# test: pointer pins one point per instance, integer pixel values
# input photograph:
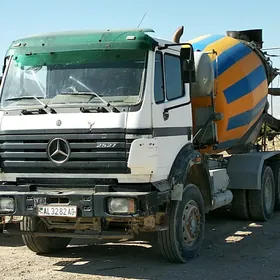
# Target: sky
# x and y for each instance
(28, 17)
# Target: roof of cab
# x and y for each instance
(83, 40)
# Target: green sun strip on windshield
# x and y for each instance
(80, 57)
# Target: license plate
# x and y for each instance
(69, 211)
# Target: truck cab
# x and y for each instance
(120, 91)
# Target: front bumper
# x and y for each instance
(89, 203)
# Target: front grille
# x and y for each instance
(99, 151)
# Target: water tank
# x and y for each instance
(204, 75)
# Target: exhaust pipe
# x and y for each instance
(178, 34)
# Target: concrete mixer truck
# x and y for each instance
(107, 134)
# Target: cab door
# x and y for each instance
(171, 108)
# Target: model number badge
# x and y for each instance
(105, 145)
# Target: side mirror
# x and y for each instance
(6, 60)
(187, 64)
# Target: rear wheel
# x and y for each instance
(41, 245)
(184, 237)
(276, 170)
(239, 207)
(261, 202)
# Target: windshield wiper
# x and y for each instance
(92, 93)
(17, 98)
(82, 109)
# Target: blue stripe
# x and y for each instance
(259, 107)
(229, 57)
(246, 117)
(203, 43)
(245, 85)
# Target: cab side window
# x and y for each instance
(158, 81)
(173, 77)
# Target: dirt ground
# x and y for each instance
(232, 250)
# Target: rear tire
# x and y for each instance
(276, 171)
(41, 245)
(240, 209)
(184, 237)
(261, 202)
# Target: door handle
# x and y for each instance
(166, 110)
(165, 115)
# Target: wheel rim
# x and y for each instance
(268, 194)
(191, 222)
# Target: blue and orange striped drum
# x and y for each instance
(240, 83)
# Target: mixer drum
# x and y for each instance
(240, 89)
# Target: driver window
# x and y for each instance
(173, 77)
(158, 80)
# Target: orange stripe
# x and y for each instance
(220, 46)
(233, 74)
(249, 101)
(235, 133)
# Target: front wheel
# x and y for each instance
(41, 245)
(184, 237)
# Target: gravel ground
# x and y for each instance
(232, 250)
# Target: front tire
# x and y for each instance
(41, 245)
(184, 237)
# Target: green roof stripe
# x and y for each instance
(83, 40)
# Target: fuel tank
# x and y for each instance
(241, 77)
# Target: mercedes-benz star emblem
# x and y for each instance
(58, 150)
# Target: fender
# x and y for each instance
(245, 170)
(186, 158)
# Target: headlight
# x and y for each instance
(121, 206)
(7, 205)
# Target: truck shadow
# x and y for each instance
(10, 241)
(228, 242)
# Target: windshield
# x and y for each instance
(79, 77)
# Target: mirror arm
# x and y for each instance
(166, 46)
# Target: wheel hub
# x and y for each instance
(268, 194)
(191, 223)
